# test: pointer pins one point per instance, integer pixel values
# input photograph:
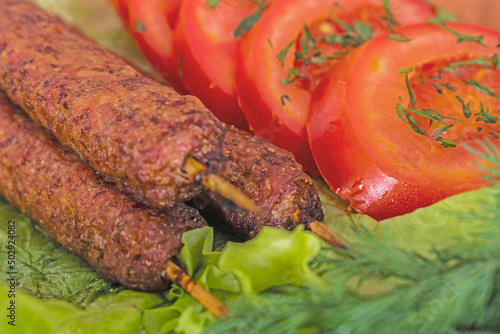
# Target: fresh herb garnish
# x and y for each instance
(270, 43)
(465, 107)
(446, 142)
(391, 29)
(293, 74)
(484, 115)
(406, 114)
(282, 54)
(465, 65)
(388, 12)
(410, 90)
(406, 70)
(439, 90)
(247, 24)
(448, 86)
(308, 47)
(179, 64)
(481, 88)
(442, 130)
(139, 26)
(212, 3)
(250, 20)
(399, 38)
(354, 35)
(461, 37)
(283, 98)
(494, 61)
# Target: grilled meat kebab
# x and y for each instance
(138, 133)
(132, 130)
(271, 177)
(123, 240)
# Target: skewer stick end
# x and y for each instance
(320, 230)
(204, 297)
(219, 185)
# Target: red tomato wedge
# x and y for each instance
(205, 41)
(282, 58)
(387, 126)
(121, 7)
(151, 22)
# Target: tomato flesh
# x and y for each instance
(440, 92)
(368, 154)
(281, 83)
(122, 9)
(205, 44)
(151, 22)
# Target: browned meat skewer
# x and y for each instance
(124, 241)
(136, 132)
(132, 130)
(271, 177)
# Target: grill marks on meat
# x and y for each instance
(118, 236)
(268, 175)
(132, 130)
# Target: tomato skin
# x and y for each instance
(352, 98)
(206, 46)
(258, 70)
(428, 164)
(150, 23)
(343, 162)
(121, 7)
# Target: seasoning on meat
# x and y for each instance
(119, 237)
(132, 130)
(268, 175)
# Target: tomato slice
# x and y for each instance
(151, 22)
(206, 38)
(121, 7)
(379, 160)
(283, 57)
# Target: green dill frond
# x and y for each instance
(450, 289)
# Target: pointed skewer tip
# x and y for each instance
(203, 296)
(320, 230)
(219, 185)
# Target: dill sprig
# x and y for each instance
(212, 3)
(309, 51)
(481, 88)
(450, 289)
(407, 115)
(249, 21)
(293, 74)
(483, 115)
(388, 12)
(460, 36)
(467, 64)
(353, 34)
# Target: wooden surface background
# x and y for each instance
(484, 12)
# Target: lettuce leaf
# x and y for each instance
(58, 293)
(244, 273)
(43, 267)
(275, 257)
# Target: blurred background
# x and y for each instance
(485, 12)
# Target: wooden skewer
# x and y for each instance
(219, 185)
(320, 230)
(204, 297)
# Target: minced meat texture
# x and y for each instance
(268, 175)
(123, 240)
(132, 130)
